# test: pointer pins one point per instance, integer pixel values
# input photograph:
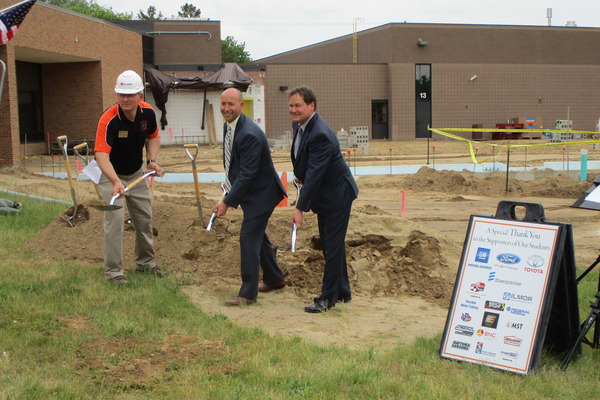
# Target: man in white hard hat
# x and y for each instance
(123, 132)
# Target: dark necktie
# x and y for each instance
(297, 143)
(227, 148)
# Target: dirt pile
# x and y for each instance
(467, 183)
(400, 259)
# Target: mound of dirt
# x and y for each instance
(402, 258)
(465, 182)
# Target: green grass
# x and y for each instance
(42, 352)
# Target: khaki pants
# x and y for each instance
(140, 209)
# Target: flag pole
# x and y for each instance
(2, 79)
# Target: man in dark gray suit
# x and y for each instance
(253, 184)
(328, 190)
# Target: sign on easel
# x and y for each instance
(504, 292)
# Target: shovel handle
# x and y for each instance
(131, 185)
(294, 233)
(214, 215)
(80, 146)
(191, 146)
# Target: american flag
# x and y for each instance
(11, 19)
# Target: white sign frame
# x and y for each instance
(496, 312)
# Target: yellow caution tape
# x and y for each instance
(440, 131)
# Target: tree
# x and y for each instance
(90, 8)
(234, 52)
(189, 11)
(150, 15)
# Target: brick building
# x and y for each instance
(410, 75)
(61, 71)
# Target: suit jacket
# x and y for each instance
(255, 185)
(327, 181)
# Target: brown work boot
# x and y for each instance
(118, 280)
(154, 270)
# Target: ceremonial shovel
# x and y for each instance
(295, 228)
(214, 214)
(86, 161)
(112, 206)
(63, 147)
(195, 171)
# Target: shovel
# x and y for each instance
(112, 206)
(295, 228)
(195, 171)
(63, 147)
(214, 215)
(86, 161)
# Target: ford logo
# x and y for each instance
(508, 258)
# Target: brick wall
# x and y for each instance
(344, 93)
(81, 58)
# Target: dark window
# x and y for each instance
(31, 115)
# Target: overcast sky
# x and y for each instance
(270, 27)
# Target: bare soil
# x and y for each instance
(402, 270)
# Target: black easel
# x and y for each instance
(592, 319)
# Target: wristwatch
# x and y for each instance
(149, 161)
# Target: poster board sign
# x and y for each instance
(591, 198)
(503, 293)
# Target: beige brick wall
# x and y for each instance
(344, 93)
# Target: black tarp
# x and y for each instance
(229, 75)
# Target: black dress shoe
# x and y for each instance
(319, 306)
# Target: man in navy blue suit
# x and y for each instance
(253, 184)
(328, 189)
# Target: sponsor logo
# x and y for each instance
(520, 298)
(490, 320)
(512, 340)
(479, 350)
(470, 304)
(494, 305)
(517, 311)
(479, 266)
(514, 325)
(486, 334)
(461, 345)
(465, 317)
(477, 287)
(534, 270)
(144, 126)
(483, 255)
(506, 282)
(491, 276)
(506, 266)
(508, 258)
(535, 261)
(464, 330)
(511, 354)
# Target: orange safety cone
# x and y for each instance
(283, 202)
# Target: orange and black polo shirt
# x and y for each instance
(123, 139)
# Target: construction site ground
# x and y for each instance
(402, 265)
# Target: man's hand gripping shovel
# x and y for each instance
(112, 206)
(63, 147)
(214, 214)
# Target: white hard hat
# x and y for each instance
(129, 82)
